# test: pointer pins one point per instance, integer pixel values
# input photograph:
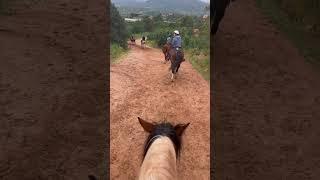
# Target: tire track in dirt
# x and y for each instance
(140, 86)
(267, 106)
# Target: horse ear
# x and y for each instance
(146, 125)
(179, 128)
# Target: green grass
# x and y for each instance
(116, 52)
(4, 7)
(152, 43)
(200, 61)
(307, 43)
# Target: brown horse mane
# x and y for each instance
(163, 129)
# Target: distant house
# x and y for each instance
(132, 19)
(205, 16)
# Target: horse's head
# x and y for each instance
(165, 48)
(155, 130)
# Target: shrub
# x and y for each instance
(116, 51)
(119, 33)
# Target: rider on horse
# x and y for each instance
(132, 39)
(176, 53)
(176, 40)
(176, 43)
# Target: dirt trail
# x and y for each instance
(141, 86)
(52, 90)
(267, 101)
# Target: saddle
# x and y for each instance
(178, 54)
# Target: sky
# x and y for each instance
(207, 1)
(200, 0)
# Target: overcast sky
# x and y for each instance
(200, 0)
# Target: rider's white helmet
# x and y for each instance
(176, 32)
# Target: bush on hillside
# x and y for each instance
(160, 37)
(306, 11)
(135, 27)
(119, 33)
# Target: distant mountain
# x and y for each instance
(129, 3)
(175, 6)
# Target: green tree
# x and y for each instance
(148, 24)
(187, 21)
(137, 27)
(119, 33)
(158, 18)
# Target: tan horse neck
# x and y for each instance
(160, 161)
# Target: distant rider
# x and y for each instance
(176, 43)
(176, 40)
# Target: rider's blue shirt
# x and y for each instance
(176, 42)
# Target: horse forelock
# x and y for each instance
(164, 129)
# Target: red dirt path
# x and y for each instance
(266, 102)
(141, 86)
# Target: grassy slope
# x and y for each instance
(307, 43)
(4, 7)
(200, 61)
(116, 52)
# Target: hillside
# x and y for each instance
(129, 3)
(174, 6)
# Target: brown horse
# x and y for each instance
(143, 42)
(165, 50)
(133, 40)
(161, 150)
(176, 57)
